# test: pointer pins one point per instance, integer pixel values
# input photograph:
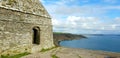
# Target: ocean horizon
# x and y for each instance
(102, 42)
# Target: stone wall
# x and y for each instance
(16, 32)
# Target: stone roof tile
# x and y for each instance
(27, 6)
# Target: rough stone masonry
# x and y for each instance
(25, 26)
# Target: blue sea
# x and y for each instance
(109, 43)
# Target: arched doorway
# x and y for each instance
(36, 35)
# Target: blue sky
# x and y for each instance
(84, 16)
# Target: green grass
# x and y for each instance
(44, 50)
(15, 56)
(54, 56)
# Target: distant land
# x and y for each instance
(58, 37)
(103, 34)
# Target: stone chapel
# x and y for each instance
(25, 26)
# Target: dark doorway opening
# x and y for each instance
(36, 35)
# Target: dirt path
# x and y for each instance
(62, 52)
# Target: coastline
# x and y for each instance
(58, 37)
(64, 52)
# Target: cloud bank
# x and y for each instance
(84, 16)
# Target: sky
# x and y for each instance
(84, 16)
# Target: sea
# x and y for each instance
(110, 43)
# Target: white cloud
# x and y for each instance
(114, 26)
(78, 10)
(75, 18)
(60, 8)
(117, 19)
(83, 23)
